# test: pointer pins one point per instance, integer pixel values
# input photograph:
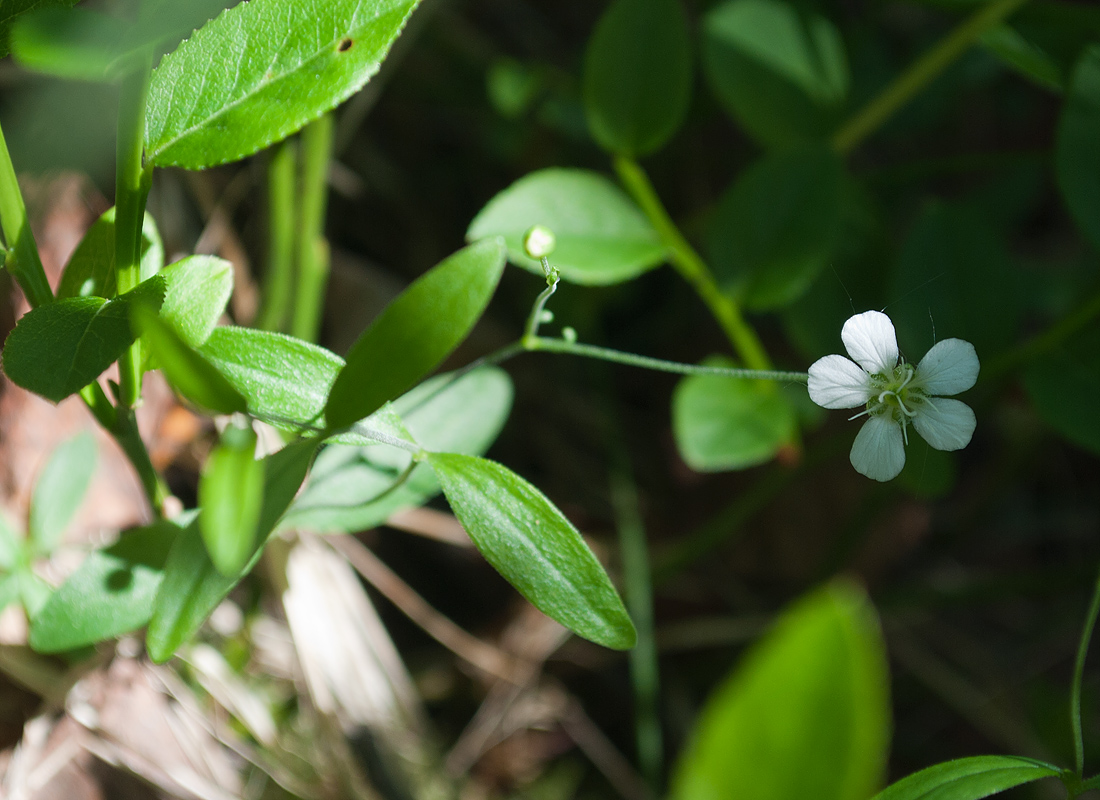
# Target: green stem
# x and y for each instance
(691, 267)
(22, 260)
(534, 319)
(313, 258)
(1078, 675)
(280, 237)
(132, 181)
(920, 73)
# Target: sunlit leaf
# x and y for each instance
(968, 778)
(91, 268)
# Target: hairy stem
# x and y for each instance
(22, 258)
(313, 256)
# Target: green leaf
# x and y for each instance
(726, 423)
(284, 380)
(197, 290)
(463, 416)
(231, 497)
(1063, 386)
(60, 490)
(805, 714)
(968, 778)
(262, 70)
(602, 237)
(779, 71)
(9, 590)
(1027, 58)
(537, 550)
(778, 226)
(33, 592)
(11, 545)
(12, 10)
(415, 332)
(110, 594)
(91, 268)
(192, 586)
(1075, 151)
(637, 75)
(185, 368)
(59, 348)
(71, 43)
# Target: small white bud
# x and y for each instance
(539, 242)
(569, 334)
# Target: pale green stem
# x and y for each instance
(1078, 675)
(313, 256)
(279, 278)
(691, 267)
(920, 73)
(22, 260)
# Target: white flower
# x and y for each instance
(896, 393)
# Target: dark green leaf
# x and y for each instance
(602, 237)
(1027, 58)
(968, 778)
(726, 423)
(91, 268)
(805, 714)
(110, 594)
(12, 10)
(1078, 158)
(537, 550)
(260, 71)
(1063, 384)
(778, 225)
(415, 332)
(197, 289)
(192, 586)
(59, 348)
(60, 490)
(230, 498)
(637, 75)
(779, 71)
(185, 368)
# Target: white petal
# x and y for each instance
(836, 382)
(945, 424)
(950, 367)
(878, 451)
(870, 340)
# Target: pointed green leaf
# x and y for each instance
(59, 491)
(260, 71)
(110, 594)
(415, 332)
(197, 289)
(805, 714)
(968, 778)
(231, 493)
(1076, 154)
(91, 268)
(59, 348)
(537, 550)
(192, 586)
(602, 237)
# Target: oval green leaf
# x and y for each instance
(805, 714)
(415, 332)
(259, 72)
(1076, 154)
(197, 289)
(59, 491)
(537, 550)
(1063, 385)
(968, 778)
(637, 76)
(602, 237)
(231, 494)
(91, 268)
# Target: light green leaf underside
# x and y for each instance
(968, 778)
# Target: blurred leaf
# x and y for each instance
(928, 472)
(537, 550)
(192, 586)
(778, 225)
(91, 268)
(59, 491)
(1063, 384)
(1027, 58)
(230, 499)
(780, 72)
(463, 416)
(11, 545)
(805, 714)
(259, 72)
(73, 43)
(12, 10)
(59, 348)
(512, 87)
(602, 237)
(111, 592)
(415, 332)
(1076, 153)
(196, 292)
(637, 75)
(726, 423)
(33, 592)
(9, 589)
(968, 778)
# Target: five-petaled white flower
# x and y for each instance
(895, 393)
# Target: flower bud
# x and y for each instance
(539, 242)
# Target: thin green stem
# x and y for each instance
(691, 267)
(1078, 675)
(313, 255)
(22, 260)
(531, 331)
(132, 181)
(920, 73)
(280, 237)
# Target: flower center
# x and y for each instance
(892, 393)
